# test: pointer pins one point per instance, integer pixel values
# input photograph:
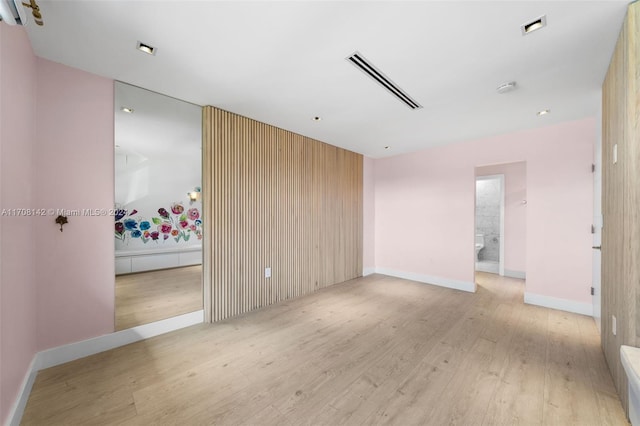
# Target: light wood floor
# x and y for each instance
(152, 296)
(373, 350)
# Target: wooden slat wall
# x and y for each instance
(207, 241)
(276, 199)
(632, 164)
(621, 201)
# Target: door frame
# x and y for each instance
(596, 296)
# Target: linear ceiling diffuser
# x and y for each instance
(365, 66)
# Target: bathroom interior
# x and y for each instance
(489, 209)
(500, 219)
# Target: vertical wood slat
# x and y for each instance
(275, 199)
(621, 200)
(208, 242)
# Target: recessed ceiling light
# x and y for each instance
(506, 87)
(148, 49)
(127, 110)
(543, 112)
(534, 25)
(317, 118)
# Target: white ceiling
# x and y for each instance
(284, 62)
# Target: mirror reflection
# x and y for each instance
(158, 226)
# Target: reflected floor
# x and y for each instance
(156, 295)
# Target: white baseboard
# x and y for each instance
(66, 353)
(73, 351)
(560, 304)
(368, 271)
(17, 410)
(429, 279)
(515, 274)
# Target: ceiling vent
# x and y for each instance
(12, 12)
(365, 66)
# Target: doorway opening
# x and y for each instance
(489, 229)
(500, 219)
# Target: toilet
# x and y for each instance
(479, 244)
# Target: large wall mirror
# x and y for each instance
(158, 225)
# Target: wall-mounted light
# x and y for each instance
(35, 11)
(194, 195)
(61, 220)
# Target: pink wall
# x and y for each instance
(515, 212)
(74, 170)
(425, 207)
(368, 221)
(424, 213)
(17, 283)
(56, 152)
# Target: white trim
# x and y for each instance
(557, 303)
(127, 253)
(368, 271)
(502, 202)
(596, 263)
(73, 351)
(515, 274)
(17, 410)
(154, 261)
(66, 353)
(429, 279)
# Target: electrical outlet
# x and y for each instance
(267, 272)
(614, 324)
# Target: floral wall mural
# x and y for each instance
(157, 164)
(175, 225)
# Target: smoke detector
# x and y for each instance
(506, 87)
